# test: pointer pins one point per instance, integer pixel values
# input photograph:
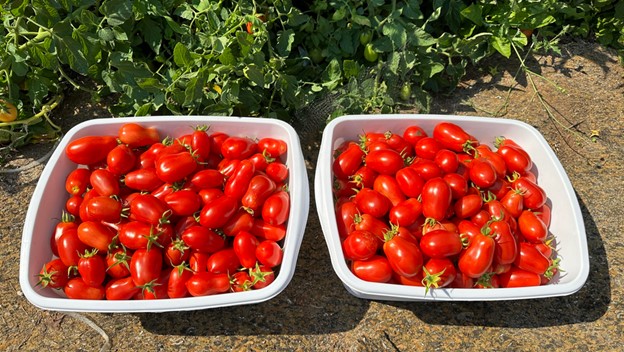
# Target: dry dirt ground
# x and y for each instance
(581, 115)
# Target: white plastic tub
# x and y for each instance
(566, 224)
(49, 196)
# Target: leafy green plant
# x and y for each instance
(266, 58)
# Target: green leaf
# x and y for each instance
(383, 45)
(254, 74)
(227, 57)
(152, 33)
(339, 14)
(502, 45)
(361, 20)
(195, 88)
(350, 68)
(285, 39)
(396, 33)
(474, 14)
(182, 56)
(116, 11)
(419, 37)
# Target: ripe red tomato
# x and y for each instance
(117, 263)
(135, 135)
(223, 261)
(404, 256)
(218, 212)
(477, 258)
(207, 283)
(516, 277)
(76, 288)
(236, 185)
(436, 198)
(203, 239)
(406, 213)
(348, 162)
(92, 268)
(175, 167)
(244, 246)
(512, 201)
(485, 152)
(276, 208)
(440, 244)
(53, 274)
(149, 209)
(121, 289)
(345, 216)
(360, 245)
(453, 137)
(262, 229)
(515, 159)
(274, 147)
(73, 205)
(146, 265)
(533, 195)
(77, 181)
(468, 206)
(367, 222)
(531, 259)
(95, 234)
(458, 185)
(104, 182)
(176, 285)
(144, 180)
(387, 186)
(269, 253)
(262, 276)
(240, 221)
(238, 148)
(90, 150)
(103, 208)
(410, 182)
(482, 173)
(506, 247)
(121, 160)
(198, 261)
(427, 169)
(427, 148)
(259, 189)
(184, 202)
(372, 202)
(375, 269)
(241, 281)
(277, 171)
(532, 227)
(413, 134)
(446, 160)
(385, 161)
(207, 178)
(136, 234)
(200, 143)
(438, 272)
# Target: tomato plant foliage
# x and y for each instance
(264, 58)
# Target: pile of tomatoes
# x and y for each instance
(151, 218)
(442, 210)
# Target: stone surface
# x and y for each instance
(315, 312)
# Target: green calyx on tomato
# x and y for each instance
(370, 54)
(431, 280)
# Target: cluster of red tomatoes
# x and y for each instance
(148, 218)
(442, 210)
